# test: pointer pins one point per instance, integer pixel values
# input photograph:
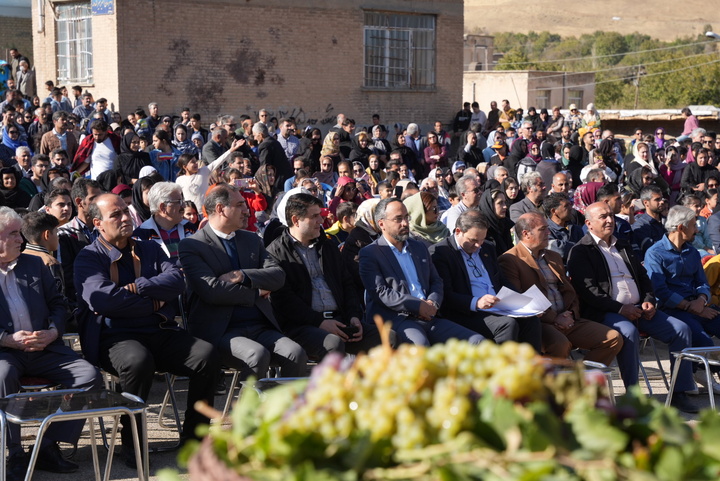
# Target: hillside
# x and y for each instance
(661, 19)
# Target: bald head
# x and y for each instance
(600, 220)
(560, 183)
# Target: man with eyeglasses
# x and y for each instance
(468, 188)
(402, 285)
(167, 225)
(534, 188)
(471, 279)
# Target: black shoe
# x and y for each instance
(681, 402)
(16, 467)
(221, 387)
(51, 459)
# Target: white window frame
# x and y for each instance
(73, 43)
(573, 98)
(542, 98)
(391, 30)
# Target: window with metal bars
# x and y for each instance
(73, 26)
(399, 51)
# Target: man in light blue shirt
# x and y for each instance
(401, 283)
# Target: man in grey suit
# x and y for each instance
(230, 276)
(401, 283)
(534, 188)
(32, 321)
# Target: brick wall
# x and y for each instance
(16, 32)
(233, 56)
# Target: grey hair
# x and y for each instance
(647, 192)
(412, 129)
(428, 180)
(500, 168)
(461, 185)
(260, 128)
(528, 181)
(226, 119)
(679, 215)
(22, 149)
(379, 213)
(595, 175)
(698, 131)
(526, 123)
(217, 131)
(471, 218)
(8, 215)
(159, 193)
(152, 104)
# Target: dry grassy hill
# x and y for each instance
(662, 19)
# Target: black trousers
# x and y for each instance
(135, 357)
(504, 328)
(318, 342)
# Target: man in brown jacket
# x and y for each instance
(530, 263)
(59, 137)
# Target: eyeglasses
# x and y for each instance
(326, 165)
(13, 132)
(475, 269)
(174, 201)
(399, 220)
(231, 125)
(358, 171)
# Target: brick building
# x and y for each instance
(311, 59)
(15, 28)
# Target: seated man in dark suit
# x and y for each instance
(529, 264)
(230, 276)
(127, 294)
(318, 306)
(401, 283)
(471, 279)
(617, 292)
(32, 322)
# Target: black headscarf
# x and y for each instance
(575, 163)
(360, 154)
(129, 162)
(142, 210)
(518, 151)
(499, 229)
(13, 197)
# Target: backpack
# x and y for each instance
(524, 166)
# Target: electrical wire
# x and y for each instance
(621, 67)
(613, 54)
(620, 79)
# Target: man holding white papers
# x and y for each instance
(617, 292)
(530, 263)
(471, 280)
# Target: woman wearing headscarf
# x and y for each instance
(310, 147)
(12, 195)
(534, 150)
(425, 225)
(182, 142)
(575, 164)
(11, 138)
(639, 179)
(360, 151)
(139, 209)
(660, 141)
(327, 174)
(364, 233)
(494, 205)
(331, 147)
(518, 151)
(696, 173)
(408, 156)
(641, 158)
(438, 174)
(347, 191)
(586, 194)
(591, 118)
(131, 158)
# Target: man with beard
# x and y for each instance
(648, 227)
(401, 283)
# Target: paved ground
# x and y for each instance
(163, 437)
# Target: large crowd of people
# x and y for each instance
(285, 245)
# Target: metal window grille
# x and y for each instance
(399, 51)
(542, 99)
(74, 43)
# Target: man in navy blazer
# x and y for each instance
(401, 283)
(471, 278)
(32, 322)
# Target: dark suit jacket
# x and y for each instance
(388, 293)
(212, 301)
(457, 290)
(591, 278)
(44, 302)
(293, 302)
(521, 271)
(271, 152)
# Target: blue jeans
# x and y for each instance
(670, 330)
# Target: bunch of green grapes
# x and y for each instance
(414, 396)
